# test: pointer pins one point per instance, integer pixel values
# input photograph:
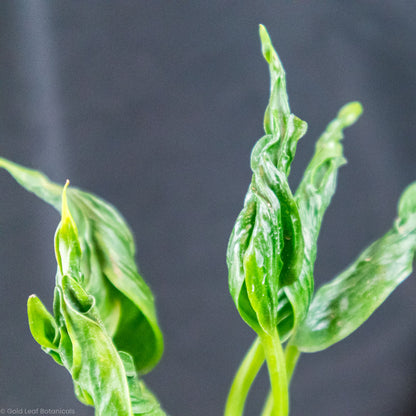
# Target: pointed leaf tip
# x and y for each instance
(67, 245)
(65, 209)
(350, 113)
(263, 31)
(41, 323)
(65, 212)
(268, 50)
(407, 202)
(264, 36)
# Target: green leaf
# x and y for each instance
(108, 270)
(278, 120)
(318, 184)
(272, 249)
(96, 367)
(76, 337)
(313, 197)
(142, 399)
(147, 396)
(35, 182)
(265, 250)
(341, 306)
(67, 247)
(41, 323)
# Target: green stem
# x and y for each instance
(243, 380)
(268, 406)
(292, 356)
(276, 364)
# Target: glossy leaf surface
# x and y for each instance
(143, 402)
(272, 249)
(265, 250)
(345, 303)
(124, 301)
(313, 197)
(42, 324)
(76, 337)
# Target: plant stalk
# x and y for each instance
(292, 355)
(276, 364)
(268, 405)
(243, 380)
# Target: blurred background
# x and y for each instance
(155, 106)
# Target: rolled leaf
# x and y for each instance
(265, 250)
(67, 247)
(313, 197)
(108, 270)
(342, 305)
(76, 337)
(96, 367)
(142, 399)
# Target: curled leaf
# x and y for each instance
(265, 250)
(142, 400)
(313, 197)
(41, 323)
(67, 247)
(108, 271)
(77, 338)
(272, 249)
(96, 368)
(342, 305)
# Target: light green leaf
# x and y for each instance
(96, 367)
(108, 270)
(313, 197)
(67, 247)
(41, 324)
(76, 337)
(341, 306)
(142, 399)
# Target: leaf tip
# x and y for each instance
(407, 202)
(262, 31)
(41, 323)
(350, 113)
(65, 212)
(64, 198)
(266, 45)
(32, 300)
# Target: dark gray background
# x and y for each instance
(155, 105)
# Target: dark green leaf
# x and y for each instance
(285, 127)
(265, 251)
(345, 303)
(108, 270)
